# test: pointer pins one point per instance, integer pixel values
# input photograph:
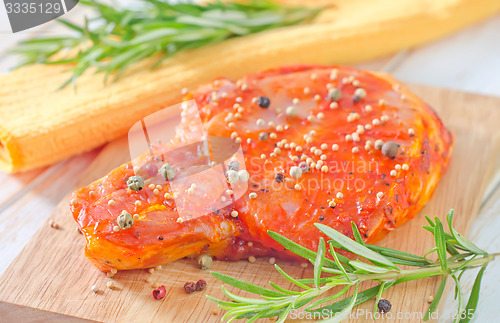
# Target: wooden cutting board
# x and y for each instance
(51, 278)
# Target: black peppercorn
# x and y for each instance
(279, 177)
(263, 102)
(384, 306)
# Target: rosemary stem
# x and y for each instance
(432, 270)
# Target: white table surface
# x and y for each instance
(468, 60)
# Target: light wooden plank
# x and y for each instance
(24, 216)
(13, 185)
(468, 60)
(485, 234)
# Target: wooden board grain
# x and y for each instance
(51, 274)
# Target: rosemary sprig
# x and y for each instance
(455, 255)
(122, 36)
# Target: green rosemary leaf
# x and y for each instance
(367, 268)
(356, 234)
(463, 265)
(283, 290)
(343, 314)
(465, 243)
(245, 286)
(437, 298)
(440, 244)
(398, 261)
(257, 316)
(431, 223)
(297, 248)
(238, 311)
(70, 25)
(222, 303)
(339, 306)
(284, 315)
(246, 300)
(458, 292)
(271, 313)
(323, 280)
(394, 254)
(318, 264)
(329, 298)
(355, 247)
(284, 274)
(451, 249)
(335, 256)
(379, 295)
(471, 306)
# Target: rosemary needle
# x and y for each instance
(455, 253)
(124, 36)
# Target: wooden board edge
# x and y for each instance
(16, 313)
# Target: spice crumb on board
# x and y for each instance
(111, 285)
(94, 288)
(54, 225)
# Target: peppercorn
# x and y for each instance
(390, 149)
(201, 285)
(334, 95)
(125, 220)
(189, 287)
(263, 102)
(135, 183)
(243, 176)
(295, 172)
(279, 178)
(304, 167)
(232, 176)
(233, 165)
(167, 172)
(384, 306)
(205, 261)
(263, 136)
(160, 292)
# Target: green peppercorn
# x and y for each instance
(135, 183)
(205, 261)
(125, 220)
(167, 171)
